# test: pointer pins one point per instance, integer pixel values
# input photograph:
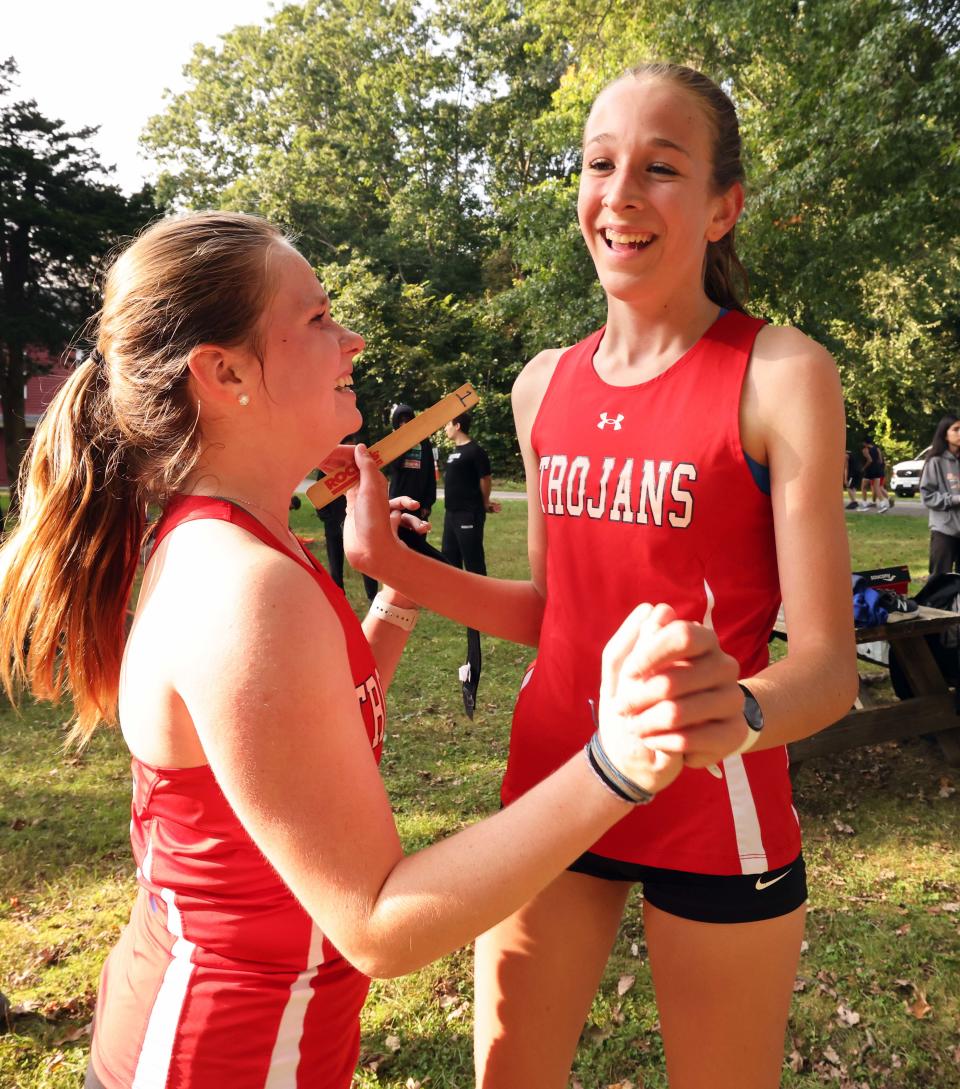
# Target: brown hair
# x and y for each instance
(724, 279)
(122, 432)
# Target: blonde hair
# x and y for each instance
(121, 433)
(725, 279)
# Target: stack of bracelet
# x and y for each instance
(611, 778)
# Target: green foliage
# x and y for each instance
(57, 223)
(441, 170)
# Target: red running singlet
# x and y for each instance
(647, 496)
(221, 978)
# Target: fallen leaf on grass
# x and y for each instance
(799, 984)
(902, 931)
(946, 788)
(796, 1061)
(393, 1043)
(847, 1016)
(624, 984)
(621, 1085)
(845, 829)
(74, 1034)
(919, 1007)
(831, 1056)
(950, 906)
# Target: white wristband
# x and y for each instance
(393, 614)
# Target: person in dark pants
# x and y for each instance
(466, 484)
(332, 516)
(414, 474)
(466, 498)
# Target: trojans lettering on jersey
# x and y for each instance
(628, 490)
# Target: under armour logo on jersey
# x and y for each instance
(616, 422)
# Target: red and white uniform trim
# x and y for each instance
(647, 496)
(221, 978)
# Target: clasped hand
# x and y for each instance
(668, 697)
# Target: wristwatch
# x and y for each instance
(753, 716)
(752, 711)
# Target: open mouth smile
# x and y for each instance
(345, 381)
(621, 241)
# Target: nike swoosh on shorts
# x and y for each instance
(761, 884)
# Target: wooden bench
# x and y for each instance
(931, 710)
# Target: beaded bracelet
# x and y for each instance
(394, 614)
(613, 779)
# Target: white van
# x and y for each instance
(906, 475)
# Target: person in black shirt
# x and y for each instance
(332, 516)
(466, 500)
(414, 474)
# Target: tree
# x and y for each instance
(850, 115)
(57, 222)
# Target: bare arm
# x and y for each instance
(287, 745)
(507, 608)
(792, 420)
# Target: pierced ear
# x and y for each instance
(726, 213)
(218, 374)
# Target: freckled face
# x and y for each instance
(308, 359)
(646, 203)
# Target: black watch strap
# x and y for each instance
(752, 711)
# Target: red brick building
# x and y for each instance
(39, 393)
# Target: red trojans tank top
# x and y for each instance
(221, 978)
(647, 496)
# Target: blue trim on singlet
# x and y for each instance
(760, 473)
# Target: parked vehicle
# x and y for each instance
(906, 474)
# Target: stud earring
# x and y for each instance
(243, 400)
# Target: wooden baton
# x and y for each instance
(396, 443)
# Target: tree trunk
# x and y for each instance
(14, 419)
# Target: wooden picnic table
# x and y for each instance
(931, 710)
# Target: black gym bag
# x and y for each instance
(940, 592)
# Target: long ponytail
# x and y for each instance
(68, 566)
(121, 433)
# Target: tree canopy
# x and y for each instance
(427, 158)
(57, 222)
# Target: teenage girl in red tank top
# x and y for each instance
(679, 454)
(271, 876)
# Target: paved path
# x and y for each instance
(903, 508)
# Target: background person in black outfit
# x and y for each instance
(466, 500)
(332, 516)
(414, 474)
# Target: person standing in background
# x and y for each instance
(874, 471)
(940, 492)
(414, 474)
(332, 516)
(466, 488)
(466, 499)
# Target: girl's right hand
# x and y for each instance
(370, 529)
(664, 675)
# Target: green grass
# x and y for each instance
(882, 834)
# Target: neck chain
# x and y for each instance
(256, 506)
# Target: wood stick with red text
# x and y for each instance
(396, 443)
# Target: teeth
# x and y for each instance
(625, 239)
(342, 383)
